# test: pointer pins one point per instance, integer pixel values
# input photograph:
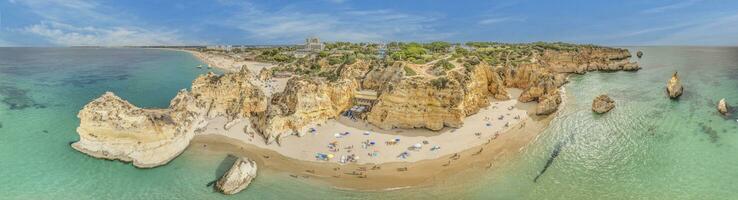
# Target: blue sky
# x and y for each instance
(177, 22)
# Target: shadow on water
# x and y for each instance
(550, 160)
(82, 80)
(18, 99)
(223, 167)
(710, 132)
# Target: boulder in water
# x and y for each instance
(238, 177)
(602, 104)
(674, 87)
(639, 54)
(722, 107)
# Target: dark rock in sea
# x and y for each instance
(639, 54)
(602, 104)
(45, 131)
(1, 125)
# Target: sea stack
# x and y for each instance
(238, 177)
(674, 87)
(722, 107)
(639, 54)
(602, 104)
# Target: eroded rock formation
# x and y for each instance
(674, 87)
(304, 101)
(238, 177)
(722, 107)
(113, 128)
(428, 102)
(602, 104)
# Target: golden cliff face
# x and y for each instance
(305, 101)
(427, 102)
(231, 95)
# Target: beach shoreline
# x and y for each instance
(366, 177)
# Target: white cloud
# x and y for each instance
(673, 6)
(86, 22)
(712, 31)
(496, 20)
(69, 35)
(347, 25)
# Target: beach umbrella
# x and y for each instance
(330, 156)
(417, 145)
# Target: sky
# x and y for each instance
(203, 22)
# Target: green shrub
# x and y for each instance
(409, 71)
(440, 82)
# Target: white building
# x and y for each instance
(314, 44)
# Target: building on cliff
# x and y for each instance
(314, 44)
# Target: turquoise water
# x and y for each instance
(648, 147)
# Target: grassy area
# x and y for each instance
(409, 71)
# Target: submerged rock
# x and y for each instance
(602, 104)
(674, 86)
(639, 54)
(722, 107)
(238, 177)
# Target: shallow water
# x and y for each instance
(648, 147)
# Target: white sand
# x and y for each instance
(450, 140)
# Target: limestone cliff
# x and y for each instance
(113, 128)
(427, 102)
(305, 101)
(231, 95)
(587, 58)
(383, 75)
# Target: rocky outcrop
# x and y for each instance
(304, 101)
(113, 128)
(639, 54)
(602, 104)
(723, 107)
(674, 87)
(265, 74)
(548, 104)
(231, 95)
(588, 59)
(382, 76)
(238, 177)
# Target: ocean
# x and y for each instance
(648, 147)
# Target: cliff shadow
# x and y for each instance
(222, 168)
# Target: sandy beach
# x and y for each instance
(343, 138)
(392, 174)
(462, 151)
